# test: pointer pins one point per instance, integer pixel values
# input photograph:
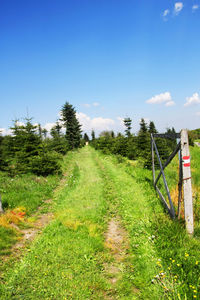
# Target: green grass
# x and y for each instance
(28, 191)
(67, 260)
(25, 191)
(174, 253)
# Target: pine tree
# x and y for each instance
(152, 127)
(44, 132)
(143, 126)
(71, 124)
(127, 124)
(143, 139)
(93, 135)
(86, 137)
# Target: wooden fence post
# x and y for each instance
(187, 184)
(1, 207)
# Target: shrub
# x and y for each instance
(45, 164)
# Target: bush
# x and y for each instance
(45, 164)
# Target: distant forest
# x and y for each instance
(31, 149)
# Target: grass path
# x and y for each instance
(102, 242)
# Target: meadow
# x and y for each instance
(76, 257)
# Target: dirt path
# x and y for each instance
(117, 242)
(28, 235)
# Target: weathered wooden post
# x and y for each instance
(1, 207)
(187, 184)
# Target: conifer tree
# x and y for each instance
(143, 139)
(93, 135)
(152, 127)
(71, 124)
(86, 137)
(127, 124)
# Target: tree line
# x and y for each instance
(29, 149)
(134, 147)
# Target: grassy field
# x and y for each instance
(21, 196)
(73, 257)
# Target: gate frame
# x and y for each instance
(184, 176)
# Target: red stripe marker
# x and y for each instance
(186, 161)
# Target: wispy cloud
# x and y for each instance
(198, 113)
(195, 7)
(163, 98)
(194, 99)
(178, 6)
(95, 104)
(86, 105)
(165, 14)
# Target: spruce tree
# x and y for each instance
(127, 124)
(72, 126)
(93, 135)
(143, 139)
(86, 137)
(152, 127)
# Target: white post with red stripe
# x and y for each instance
(187, 184)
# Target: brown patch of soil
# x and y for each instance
(117, 242)
(28, 235)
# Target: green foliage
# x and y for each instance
(26, 150)
(71, 124)
(86, 137)
(45, 163)
(152, 127)
(127, 124)
(93, 135)
(194, 135)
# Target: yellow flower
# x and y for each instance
(178, 265)
(194, 296)
(195, 291)
(197, 262)
(186, 254)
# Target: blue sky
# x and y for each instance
(109, 58)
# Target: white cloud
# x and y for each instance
(4, 131)
(198, 113)
(95, 104)
(121, 121)
(178, 6)
(162, 98)
(194, 99)
(98, 123)
(170, 103)
(48, 126)
(195, 7)
(86, 105)
(166, 12)
(18, 123)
